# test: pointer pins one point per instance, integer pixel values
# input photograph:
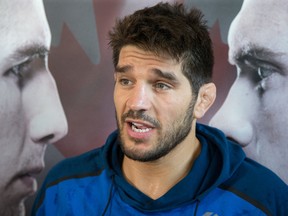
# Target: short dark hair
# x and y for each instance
(166, 29)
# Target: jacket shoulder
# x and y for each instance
(89, 163)
(259, 186)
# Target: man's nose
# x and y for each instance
(139, 98)
(234, 117)
(47, 121)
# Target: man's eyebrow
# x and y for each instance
(254, 52)
(29, 51)
(166, 75)
(123, 69)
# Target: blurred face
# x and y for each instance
(154, 105)
(255, 111)
(31, 115)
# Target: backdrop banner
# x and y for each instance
(250, 100)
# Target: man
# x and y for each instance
(254, 113)
(160, 161)
(31, 115)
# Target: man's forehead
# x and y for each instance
(24, 31)
(15, 12)
(23, 25)
(253, 30)
(129, 52)
(268, 8)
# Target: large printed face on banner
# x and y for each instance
(31, 115)
(255, 111)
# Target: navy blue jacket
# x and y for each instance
(222, 181)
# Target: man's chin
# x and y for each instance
(15, 209)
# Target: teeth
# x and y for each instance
(137, 124)
(134, 128)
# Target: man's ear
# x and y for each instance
(205, 99)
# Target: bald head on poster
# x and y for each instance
(31, 115)
(255, 111)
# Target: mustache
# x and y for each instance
(140, 115)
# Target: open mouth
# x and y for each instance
(140, 128)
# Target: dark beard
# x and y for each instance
(173, 136)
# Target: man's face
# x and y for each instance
(31, 115)
(154, 105)
(255, 111)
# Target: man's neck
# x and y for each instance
(156, 178)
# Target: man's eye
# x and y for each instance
(21, 69)
(21, 72)
(265, 78)
(125, 82)
(264, 73)
(162, 86)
